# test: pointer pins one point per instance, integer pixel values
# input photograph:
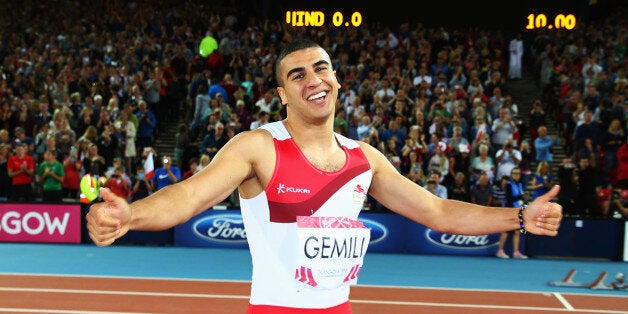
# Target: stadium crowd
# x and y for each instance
(87, 87)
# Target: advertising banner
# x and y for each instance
(55, 223)
(212, 229)
(424, 240)
(388, 233)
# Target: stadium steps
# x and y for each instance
(524, 92)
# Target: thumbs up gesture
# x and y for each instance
(542, 217)
(108, 220)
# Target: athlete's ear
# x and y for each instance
(282, 95)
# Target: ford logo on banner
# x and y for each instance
(379, 232)
(225, 228)
(461, 242)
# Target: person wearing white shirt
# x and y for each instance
(507, 158)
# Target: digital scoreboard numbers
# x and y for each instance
(549, 22)
(539, 16)
(319, 18)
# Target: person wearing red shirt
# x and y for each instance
(117, 184)
(72, 166)
(21, 168)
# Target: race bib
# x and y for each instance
(330, 251)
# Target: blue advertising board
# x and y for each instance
(389, 233)
(212, 228)
(424, 240)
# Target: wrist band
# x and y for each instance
(522, 226)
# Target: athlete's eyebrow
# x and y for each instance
(300, 69)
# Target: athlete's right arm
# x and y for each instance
(234, 164)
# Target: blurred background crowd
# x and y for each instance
(94, 88)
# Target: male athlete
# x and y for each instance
(301, 189)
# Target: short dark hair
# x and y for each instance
(290, 47)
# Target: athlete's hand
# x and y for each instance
(543, 217)
(108, 220)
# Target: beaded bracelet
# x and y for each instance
(522, 227)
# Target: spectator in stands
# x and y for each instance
(263, 117)
(340, 121)
(507, 158)
(154, 91)
(148, 123)
(108, 145)
(542, 179)
(515, 196)
(193, 167)
(543, 144)
(503, 128)
(243, 114)
(51, 173)
(616, 206)
(481, 193)
(394, 131)
(104, 120)
(588, 152)
(203, 161)
(21, 168)
(65, 137)
(588, 129)
(213, 141)
(386, 90)
(457, 136)
(20, 136)
(5, 138)
(126, 132)
(495, 102)
(182, 141)
(414, 169)
(165, 175)
(201, 106)
(482, 163)
(85, 119)
(433, 185)
(72, 167)
(613, 138)
(495, 79)
(459, 161)
(141, 186)
(526, 161)
(458, 189)
(23, 118)
(480, 126)
(536, 119)
(93, 157)
(499, 191)
(40, 142)
(269, 103)
(118, 184)
(392, 153)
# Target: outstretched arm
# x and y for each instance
(406, 198)
(177, 203)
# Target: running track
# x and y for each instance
(40, 278)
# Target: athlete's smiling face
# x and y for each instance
(309, 85)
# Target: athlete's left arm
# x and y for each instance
(404, 197)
